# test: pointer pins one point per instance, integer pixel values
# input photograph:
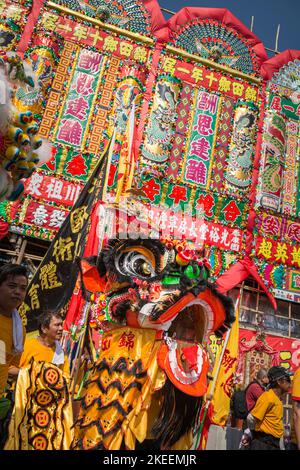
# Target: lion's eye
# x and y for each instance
(146, 269)
(134, 264)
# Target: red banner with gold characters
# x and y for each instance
(287, 349)
(225, 372)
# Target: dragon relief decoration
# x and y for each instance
(239, 171)
(156, 146)
(157, 308)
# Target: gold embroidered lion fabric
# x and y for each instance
(42, 417)
(118, 393)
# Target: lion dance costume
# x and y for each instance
(157, 308)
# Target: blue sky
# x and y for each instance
(267, 15)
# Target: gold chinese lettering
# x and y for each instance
(197, 74)
(110, 44)
(251, 94)
(211, 78)
(23, 309)
(126, 48)
(296, 256)
(63, 249)
(49, 21)
(140, 54)
(48, 276)
(77, 219)
(80, 32)
(96, 37)
(34, 298)
(237, 89)
(265, 249)
(281, 252)
(65, 27)
(224, 84)
(169, 65)
(215, 344)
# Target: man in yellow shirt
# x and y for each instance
(266, 418)
(46, 346)
(295, 432)
(13, 285)
(42, 418)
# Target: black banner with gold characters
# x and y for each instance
(53, 283)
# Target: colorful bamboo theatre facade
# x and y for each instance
(199, 122)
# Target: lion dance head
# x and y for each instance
(157, 309)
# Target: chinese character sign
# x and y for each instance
(78, 104)
(200, 149)
(221, 395)
(274, 141)
(50, 188)
(277, 251)
(52, 285)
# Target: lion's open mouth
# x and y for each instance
(189, 318)
(191, 323)
(182, 354)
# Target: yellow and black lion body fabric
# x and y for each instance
(42, 417)
(146, 389)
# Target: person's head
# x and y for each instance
(262, 377)
(50, 325)
(13, 285)
(279, 379)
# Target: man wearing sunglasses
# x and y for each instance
(266, 418)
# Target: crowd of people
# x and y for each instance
(264, 424)
(18, 351)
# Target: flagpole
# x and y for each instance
(87, 307)
(219, 366)
(216, 375)
(209, 397)
(76, 360)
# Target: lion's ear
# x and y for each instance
(92, 280)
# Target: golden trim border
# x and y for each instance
(95, 21)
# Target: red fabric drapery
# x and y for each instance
(258, 345)
(157, 18)
(272, 66)
(30, 24)
(284, 351)
(238, 273)
(251, 341)
(4, 226)
(91, 249)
